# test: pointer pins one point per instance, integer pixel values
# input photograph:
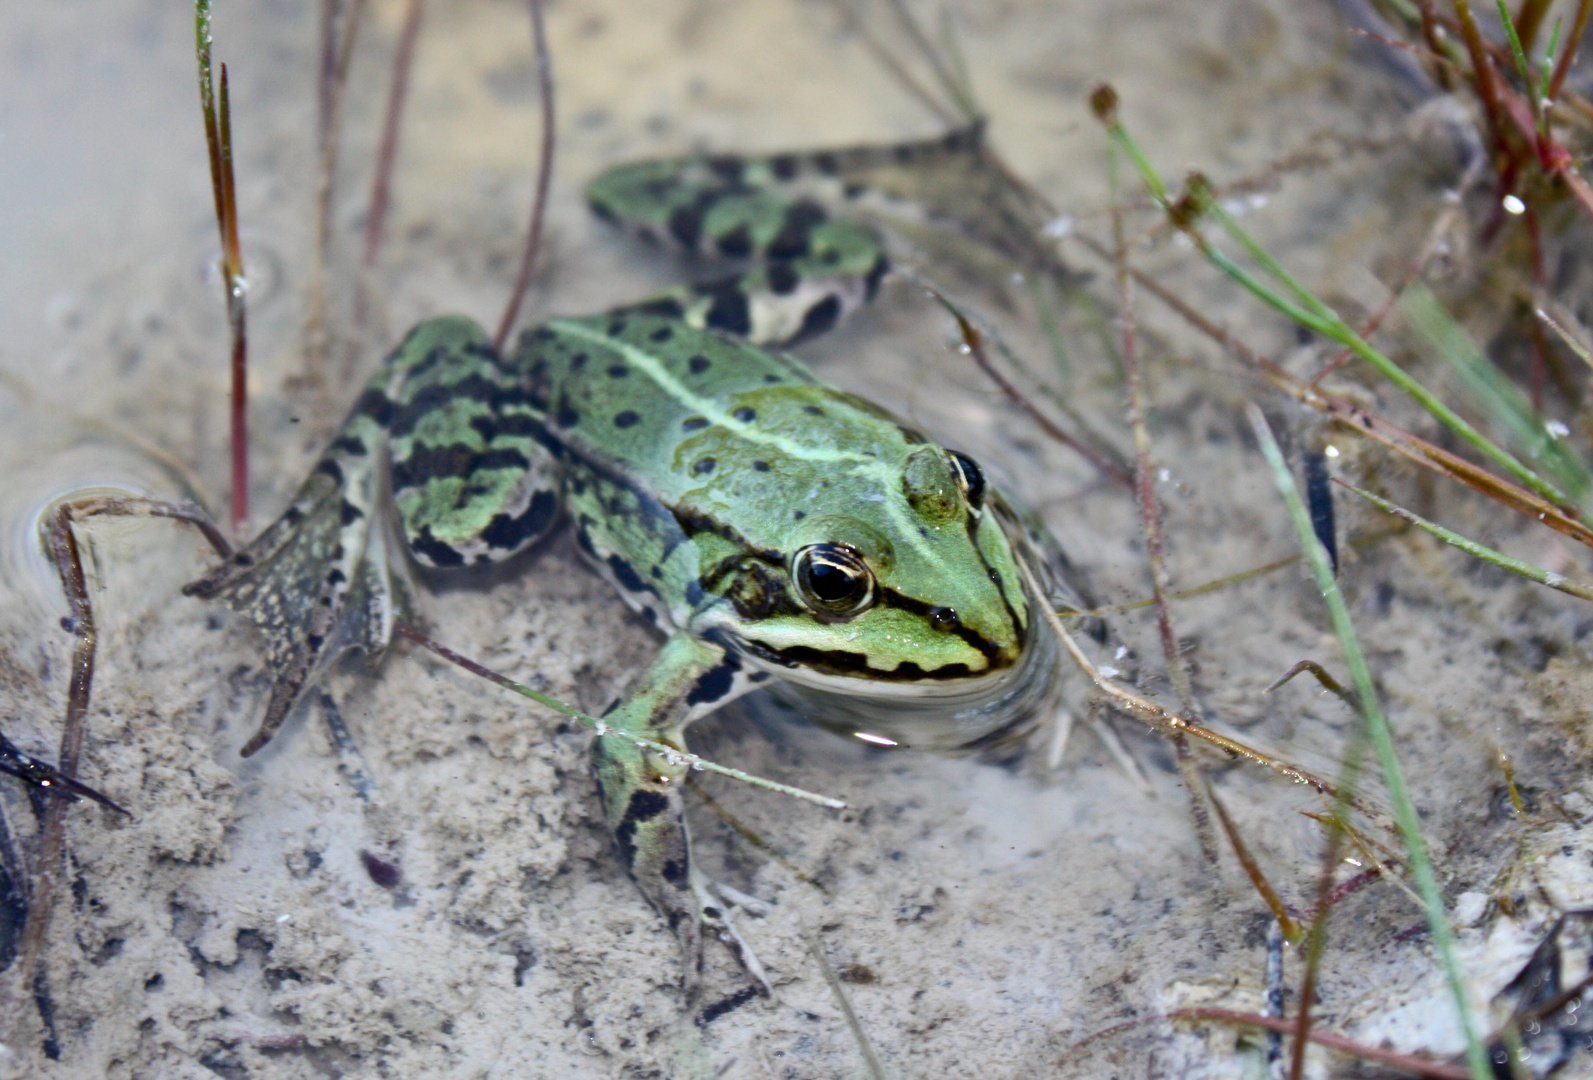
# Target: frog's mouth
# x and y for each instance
(943, 709)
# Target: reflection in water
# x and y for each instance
(49, 458)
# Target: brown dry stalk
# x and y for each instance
(334, 84)
(539, 201)
(1150, 526)
(1164, 720)
(1419, 1066)
(1252, 869)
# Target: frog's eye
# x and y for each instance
(832, 579)
(970, 478)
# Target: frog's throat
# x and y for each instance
(939, 715)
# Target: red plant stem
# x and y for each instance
(1352, 885)
(1482, 68)
(976, 349)
(236, 321)
(1572, 44)
(64, 552)
(1527, 20)
(539, 201)
(1150, 525)
(407, 631)
(331, 10)
(1420, 1066)
(387, 153)
(1440, 69)
(69, 565)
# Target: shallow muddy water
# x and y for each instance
(980, 916)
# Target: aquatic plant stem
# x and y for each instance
(601, 728)
(1381, 738)
(1356, 419)
(1155, 716)
(218, 142)
(392, 117)
(334, 83)
(974, 339)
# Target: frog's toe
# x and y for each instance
(715, 901)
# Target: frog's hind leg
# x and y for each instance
(471, 480)
(320, 580)
(809, 271)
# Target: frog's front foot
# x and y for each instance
(642, 796)
(715, 901)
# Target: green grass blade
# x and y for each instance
(1310, 311)
(1507, 406)
(1382, 740)
(1517, 53)
(1481, 551)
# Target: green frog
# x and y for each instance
(777, 531)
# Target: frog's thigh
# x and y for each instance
(471, 483)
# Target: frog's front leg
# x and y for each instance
(643, 797)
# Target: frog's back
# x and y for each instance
(670, 434)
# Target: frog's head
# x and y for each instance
(904, 587)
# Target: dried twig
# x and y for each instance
(539, 201)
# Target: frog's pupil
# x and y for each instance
(831, 582)
(970, 477)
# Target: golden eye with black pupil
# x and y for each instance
(970, 478)
(832, 579)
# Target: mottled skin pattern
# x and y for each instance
(773, 526)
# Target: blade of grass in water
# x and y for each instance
(1507, 405)
(1471, 547)
(1382, 740)
(1305, 308)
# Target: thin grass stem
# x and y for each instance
(876, 1070)
(1354, 418)
(218, 143)
(333, 89)
(1476, 550)
(1252, 869)
(392, 126)
(1519, 55)
(1161, 719)
(1508, 407)
(973, 339)
(1381, 738)
(1569, 339)
(1150, 527)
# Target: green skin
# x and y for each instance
(697, 470)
